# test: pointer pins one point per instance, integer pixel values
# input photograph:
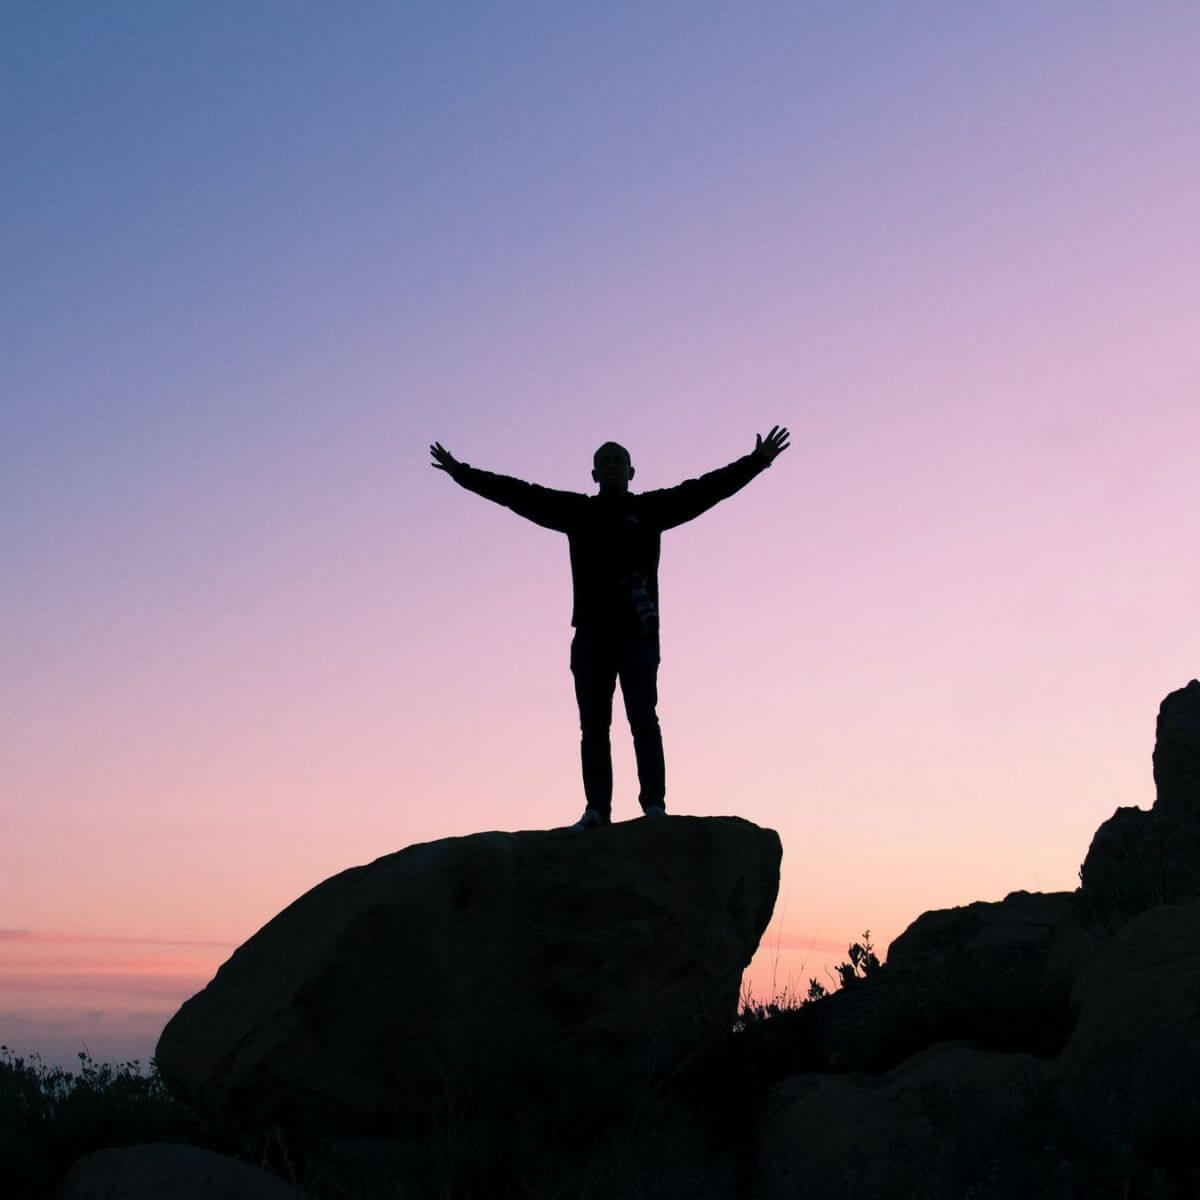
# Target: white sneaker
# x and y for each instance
(591, 819)
(655, 810)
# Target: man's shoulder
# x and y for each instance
(633, 511)
(626, 504)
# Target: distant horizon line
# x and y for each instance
(41, 937)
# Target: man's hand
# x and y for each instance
(775, 444)
(443, 460)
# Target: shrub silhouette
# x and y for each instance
(862, 963)
(50, 1116)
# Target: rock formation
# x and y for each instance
(1177, 755)
(956, 1115)
(457, 962)
(1139, 858)
(1043, 1045)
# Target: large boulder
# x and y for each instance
(1005, 967)
(450, 965)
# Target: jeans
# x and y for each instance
(598, 660)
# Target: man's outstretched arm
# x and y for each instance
(674, 506)
(543, 506)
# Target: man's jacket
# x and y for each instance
(611, 537)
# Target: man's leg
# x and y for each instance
(594, 665)
(638, 667)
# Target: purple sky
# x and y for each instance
(256, 257)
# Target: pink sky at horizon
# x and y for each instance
(259, 259)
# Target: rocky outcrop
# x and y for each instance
(1177, 755)
(1083, 1014)
(168, 1172)
(1007, 966)
(462, 962)
(956, 1117)
(1140, 858)
(1001, 973)
(998, 974)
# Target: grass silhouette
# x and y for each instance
(50, 1116)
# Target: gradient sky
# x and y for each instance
(255, 258)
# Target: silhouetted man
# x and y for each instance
(614, 540)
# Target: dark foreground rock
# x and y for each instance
(1113, 1114)
(1138, 1005)
(458, 965)
(1039, 1046)
(832, 1137)
(169, 1172)
(997, 974)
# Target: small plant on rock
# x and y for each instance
(863, 962)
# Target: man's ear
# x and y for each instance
(594, 477)
(631, 472)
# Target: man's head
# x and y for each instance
(612, 468)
